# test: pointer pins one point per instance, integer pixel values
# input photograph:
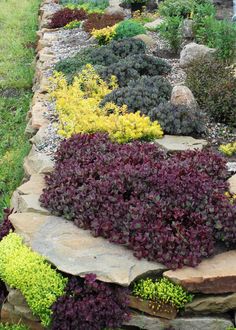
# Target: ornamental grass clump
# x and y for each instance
(65, 16)
(27, 271)
(162, 290)
(171, 210)
(78, 110)
(90, 305)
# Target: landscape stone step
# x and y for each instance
(213, 275)
(75, 251)
(173, 143)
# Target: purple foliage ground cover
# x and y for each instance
(167, 209)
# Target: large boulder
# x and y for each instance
(193, 52)
(213, 275)
(182, 95)
(75, 251)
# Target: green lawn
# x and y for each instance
(18, 24)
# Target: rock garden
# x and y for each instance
(125, 217)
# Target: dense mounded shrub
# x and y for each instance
(135, 66)
(65, 16)
(90, 305)
(178, 119)
(176, 7)
(162, 290)
(129, 28)
(6, 225)
(78, 109)
(141, 95)
(100, 21)
(27, 271)
(105, 55)
(216, 96)
(167, 210)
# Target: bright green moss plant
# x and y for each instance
(29, 272)
(162, 290)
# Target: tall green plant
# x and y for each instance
(170, 30)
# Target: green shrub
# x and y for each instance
(13, 327)
(214, 87)
(217, 34)
(142, 94)
(27, 271)
(178, 120)
(162, 290)
(88, 5)
(129, 28)
(171, 30)
(72, 25)
(133, 67)
(105, 55)
(171, 8)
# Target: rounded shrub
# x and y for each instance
(27, 271)
(129, 28)
(90, 305)
(141, 95)
(178, 120)
(66, 16)
(101, 21)
(125, 193)
(171, 8)
(133, 67)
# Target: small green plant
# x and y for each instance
(27, 271)
(72, 25)
(13, 327)
(170, 30)
(170, 8)
(162, 290)
(228, 149)
(91, 6)
(129, 28)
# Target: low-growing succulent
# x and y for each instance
(141, 95)
(162, 290)
(6, 226)
(90, 305)
(125, 193)
(135, 66)
(178, 120)
(65, 16)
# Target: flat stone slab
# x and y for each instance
(212, 304)
(181, 323)
(75, 251)
(232, 184)
(174, 143)
(213, 275)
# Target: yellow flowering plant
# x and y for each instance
(105, 35)
(228, 149)
(78, 109)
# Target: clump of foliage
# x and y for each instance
(90, 305)
(141, 95)
(228, 149)
(171, 30)
(216, 96)
(125, 193)
(162, 290)
(129, 28)
(13, 327)
(65, 16)
(133, 67)
(104, 55)
(27, 271)
(178, 119)
(6, 225)
(105, 35)
(218, 34)
(72, 25)
(78, 110)
(170, 8)
(99, 21)
(88, 5)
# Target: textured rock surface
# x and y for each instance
(232, 184)
(182, 95)
(30, 203)
(37, 163)
(194, 51)
(75, 251)
(187, 29)
(15, 298)
(231, 166)
(212, 304)
(214, 275)
(34, 186)
(174, 143)
(146, 39)
(154, 24)
(181, 323)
